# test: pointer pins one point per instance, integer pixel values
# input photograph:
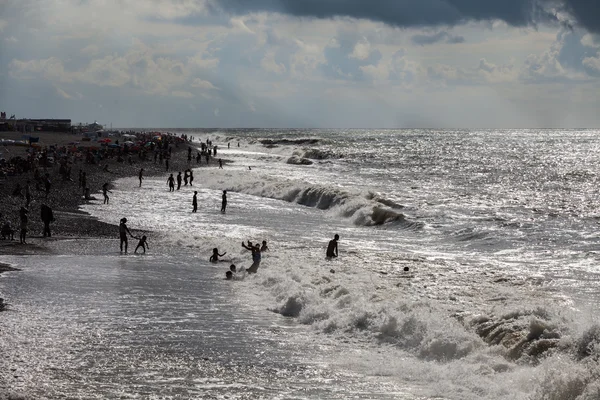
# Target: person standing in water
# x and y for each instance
(141, 176)
(171, 183)
(332, 248)
(224, 201)
(123, 231)
(195, 202)
(179, 180)
(143, 243)
(105, 192)
(256, 257)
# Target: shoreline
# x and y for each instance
(66, 197)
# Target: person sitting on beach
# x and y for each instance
(105, 192)
(143, 243)
(215, 255)
(332, 248)
(123, 231)
(256, 256)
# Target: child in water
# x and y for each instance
(215, 255)
(143, 243)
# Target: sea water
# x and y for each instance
(467, 269)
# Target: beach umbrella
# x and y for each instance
(129, 143)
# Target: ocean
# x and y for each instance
(467, 269)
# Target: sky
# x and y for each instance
(303, 63)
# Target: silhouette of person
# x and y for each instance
(215, 255)
(105, 192)
(47, 217)
(141, 176)
(123, 231)
(191, 177)
(220, 164)
(171, 183)
(224, 201)
(143, 243)
(179, 181)
(332, 247)
(23, 217)
(195, 202)
(256, 256)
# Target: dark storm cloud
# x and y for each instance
(445, 37)
(415, 13)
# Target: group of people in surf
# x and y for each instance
(255, 248)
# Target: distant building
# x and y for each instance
(35, 125)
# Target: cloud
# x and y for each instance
(422, 40)
(570, 58)
(139, 68)
(413, 13)
(11, 39)
(3, 25)
(182, 93)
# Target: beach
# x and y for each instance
(66, 196)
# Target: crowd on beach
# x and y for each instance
(42, 175)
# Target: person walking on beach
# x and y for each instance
(143, 243)
(23, 218)
(215, 255)
(105, 192)
(332, 248)
(141, 176)
(256, 257)
(47, 217)
(224, 201)
(195, 202)
(123, 231)
(179, 180)
(185, 177)
(191, 177)
(220, 164)
(171, 183)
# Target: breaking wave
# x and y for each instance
(364, 209)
